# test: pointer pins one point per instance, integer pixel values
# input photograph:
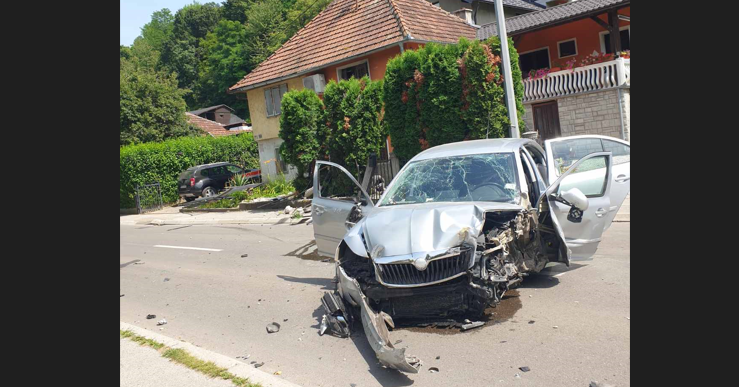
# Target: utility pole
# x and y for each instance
(510, 97)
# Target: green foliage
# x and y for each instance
(152, 106)
(352, 113)
(182, 52)
(264, 30)
(301, 128)
(238, 180)
(276, 187)
(440, 94)
(235, 10)
(226, 61)
(158, 29)
(164, 161)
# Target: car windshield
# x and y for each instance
(482, 177)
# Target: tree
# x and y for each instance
(301, 129)
(263, 30)
(181, 52)
(226, 61)
(235, 10)
(152, 106)
(158, 29)
(355, 129)
(300, 13)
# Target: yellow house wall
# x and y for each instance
(264, 127)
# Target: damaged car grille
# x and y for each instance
(439, 269)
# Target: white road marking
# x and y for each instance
(187, 248)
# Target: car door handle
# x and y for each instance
(600, 212)
(622, 178)
(318, 210)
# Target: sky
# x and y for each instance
(136, 13)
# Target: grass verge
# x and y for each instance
(185, 358)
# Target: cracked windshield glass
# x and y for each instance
(483, 177)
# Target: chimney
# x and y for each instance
(464, 14)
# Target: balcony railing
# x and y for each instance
(599, 76)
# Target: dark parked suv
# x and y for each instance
(208, 179)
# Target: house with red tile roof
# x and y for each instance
(348, 38)
(211, 128)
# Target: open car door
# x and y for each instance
(336, 195)
(564, 151)
(582, 218)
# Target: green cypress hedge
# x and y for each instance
(164, 161)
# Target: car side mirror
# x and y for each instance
(575, 197)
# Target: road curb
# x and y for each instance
(234, 366)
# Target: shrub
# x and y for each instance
(164, 161)
(301, 128)
(440, 94)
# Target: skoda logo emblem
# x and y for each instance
(421, 263)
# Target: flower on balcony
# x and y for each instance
(594, 58)
(538, 74)
(626, 54)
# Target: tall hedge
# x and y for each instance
(353, 119)
(301, 128)
(447, 93)
(164, 161)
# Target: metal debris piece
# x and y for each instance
(284, 320)
(257, 365)
(472, 325)
(524, 369)
(244, 255)
(438, 357)
(555, 327)
(150, 316)
(531, 321)
(433, 370)
(162, 321)
(273, 327)
(326, 260)
(122, 295)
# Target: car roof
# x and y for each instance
(496, 145)
(212, 165)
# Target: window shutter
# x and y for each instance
(268, 101)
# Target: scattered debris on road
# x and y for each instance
(122, 295)
(531, 321)
(397, 342)
(257, 365)
(438, 357)
(244, 255)
(139, 262)
(166, 280)
(150, 316)
(278, 372)
(524, 369)
(597, 384)
(162, 321)
(471, 325)
(433, 370)
(273, 327)
(555, 327)
(518, 376)
(284, 320)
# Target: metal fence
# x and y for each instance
(382, 173)
(148, 198)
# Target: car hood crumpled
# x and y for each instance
(401, 230)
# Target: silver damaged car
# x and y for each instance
(458, 226)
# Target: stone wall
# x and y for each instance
(592, 113)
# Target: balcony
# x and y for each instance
(595, 77)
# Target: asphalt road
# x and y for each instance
(222, 301)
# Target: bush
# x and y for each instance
(164, 161)
(353, 120)
(301, 128)
(440, 94)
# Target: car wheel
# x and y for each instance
(189, 199)
(208, 192)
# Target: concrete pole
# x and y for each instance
(510, 96)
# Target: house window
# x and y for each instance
(605, 40)
(273, 99)
(567, 48)
(533, 60)
(356, 70)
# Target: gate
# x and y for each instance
(148, 198)
(379, 174)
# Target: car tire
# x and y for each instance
(208, 192)
(189, 199)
